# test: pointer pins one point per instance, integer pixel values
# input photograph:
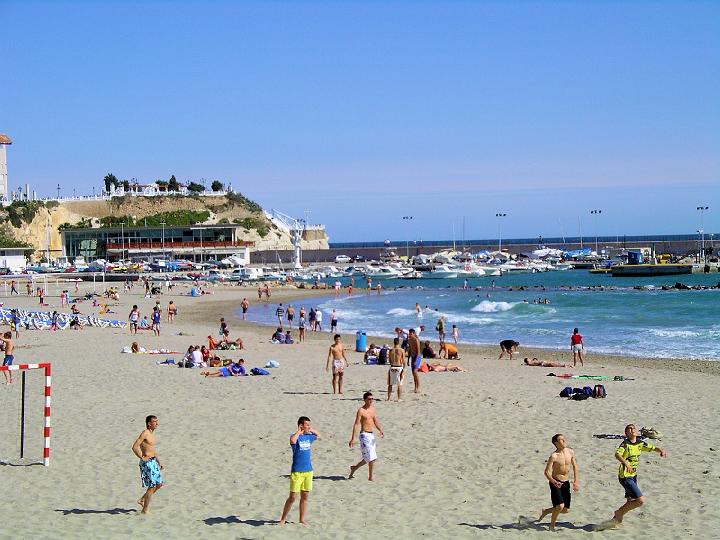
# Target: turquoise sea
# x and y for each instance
(613, 316)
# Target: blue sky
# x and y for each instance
(364, 112)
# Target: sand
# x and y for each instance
(463, 458)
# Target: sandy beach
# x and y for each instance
(463, 458)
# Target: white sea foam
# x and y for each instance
(488, 306)
(401, 312)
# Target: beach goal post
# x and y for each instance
(25, 413)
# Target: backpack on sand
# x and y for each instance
(566, 392)
(599, 391)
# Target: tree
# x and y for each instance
(195, 187)
(110, 180)
(173, 184)
(217, 185)
(162, 185)
(126, 185)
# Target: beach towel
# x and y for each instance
(259, 371)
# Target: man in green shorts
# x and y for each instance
(628, 454)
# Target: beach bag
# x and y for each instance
(580, 396)
(272, 364)
(566, 392)
(599, 391)
(383, 357)
(587, 391)
(259, 371)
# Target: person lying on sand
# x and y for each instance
(233, 370)
(543, 363)
(446, 367)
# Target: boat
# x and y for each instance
(442, 271)
(382, 272)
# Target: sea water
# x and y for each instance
(612, 314)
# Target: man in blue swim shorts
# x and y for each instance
(414, 357)
(9, 346)
(150, 466)
(628, 454)
(301, 472)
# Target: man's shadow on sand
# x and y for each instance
(332, 478)
(234, 519)
(112, 511)
(530, 525)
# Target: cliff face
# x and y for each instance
(42, 230)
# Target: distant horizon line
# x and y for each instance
(588, 241)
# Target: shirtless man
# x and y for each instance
(367, 420)
(150, 467)
(556, 471)
(414, 352)
(9, 357)
(171, 311)
(244, 305)
(395, 374)
(336, 353)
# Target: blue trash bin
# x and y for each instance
(360, 341)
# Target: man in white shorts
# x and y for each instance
(336, 354)
(368, 421)
(395, 374)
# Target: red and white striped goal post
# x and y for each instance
(46, 430)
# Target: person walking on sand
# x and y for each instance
(150, 466)
(440, 327)
(260, 293)
(556, 471)
(280, 313)
(628, 454)
(336, 353)
(134, 319)
(156, 321)
(396, 357)
(244, 305)
(366, 419)
(333, 321)
(455, 333)
(13, 288)
(290, 315)
(171, 311)
(414, 358)
(577, 346)
(301, 327)
(9, 357)
(301, 472)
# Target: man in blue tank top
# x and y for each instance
(301, 473)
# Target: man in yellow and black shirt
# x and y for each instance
(628, 454)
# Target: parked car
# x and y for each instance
(359, 258)
(343, 259)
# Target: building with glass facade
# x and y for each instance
(195, 243)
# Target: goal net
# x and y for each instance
(25, 408)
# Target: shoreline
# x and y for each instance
(283, 293)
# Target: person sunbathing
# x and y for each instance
(233, 370)
(543, 363)
(446, 367)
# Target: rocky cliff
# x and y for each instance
(38, 224)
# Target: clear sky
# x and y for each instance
(364, 112)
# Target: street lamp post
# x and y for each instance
(595, 214)
(122, 239)
(702, 209)
(163, 238)
(407, 219)
(500, 215)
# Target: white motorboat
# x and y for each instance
(442, 271)
(382, 272)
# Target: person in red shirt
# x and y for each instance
(577, 346)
